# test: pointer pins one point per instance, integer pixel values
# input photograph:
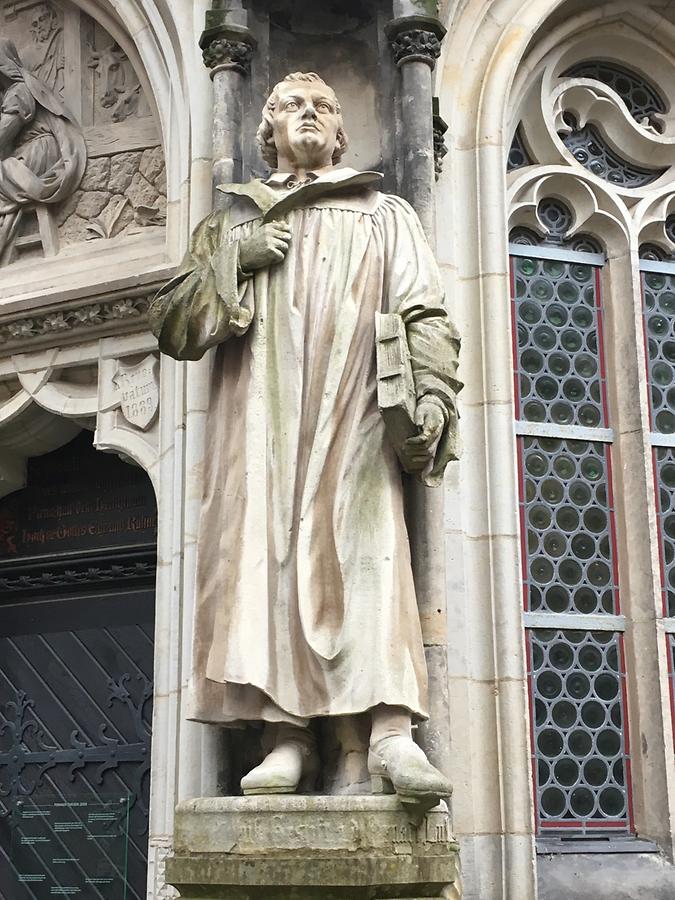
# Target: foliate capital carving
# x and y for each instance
(415, 38)
(228, 47)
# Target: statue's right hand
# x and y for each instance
(266, 246)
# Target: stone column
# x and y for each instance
(227, 46)
(416, 45)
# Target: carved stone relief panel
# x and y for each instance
(81, 135)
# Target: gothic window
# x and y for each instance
(593, 193)
(571, 592)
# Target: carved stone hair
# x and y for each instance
(265, 137)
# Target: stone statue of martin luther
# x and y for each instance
(305, 598)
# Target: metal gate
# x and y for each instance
(76, 666)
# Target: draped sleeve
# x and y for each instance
(413, 290)
(18, 101)
(204, 303)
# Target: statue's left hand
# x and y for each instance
(419, 450)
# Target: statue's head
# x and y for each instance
(302, 122)
(43, 22)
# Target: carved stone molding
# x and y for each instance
(440, 148)
(228, 47)
(415, 39)
(76, 319)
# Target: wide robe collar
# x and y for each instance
(273, 204)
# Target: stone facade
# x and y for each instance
(73, 302)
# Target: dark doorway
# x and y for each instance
(77, 572)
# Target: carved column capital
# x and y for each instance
(415, 38)
(227, 47)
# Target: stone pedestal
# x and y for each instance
(311, 848)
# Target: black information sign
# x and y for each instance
(77, 500)
(72, 848)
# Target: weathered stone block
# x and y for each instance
(274, 847)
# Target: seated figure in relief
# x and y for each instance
(305, 598)
(42, 150)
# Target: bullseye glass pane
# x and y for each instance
(665, 505)
(658, 293)
(580, 754)
(567, 522)
(558, 318)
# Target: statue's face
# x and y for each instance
(42, 23)
(306, 123)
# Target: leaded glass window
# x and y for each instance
(658, 309)
(572, 613)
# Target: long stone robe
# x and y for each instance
(305, 597)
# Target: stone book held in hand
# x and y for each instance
(396, 397)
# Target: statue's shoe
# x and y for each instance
(397, 764)
(292, 765)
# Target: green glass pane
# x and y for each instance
(566, 771)
(571, 341)
(585, 600)
(564, 466)
(541, 570)
(529, 312)
(595, 519)
(581, 273)
(580, 493)
(553, 802)
(557, 598)
(550, 742)
(558, 364)
(582, 802)
(598, 573)
(549, 685)
(658, 325)
(540, 517)
(570, 572)
(593, 714)
(552, 491)
(560, 655)
(555, 544)
(567, 518)
(528, 266)
(574, 390)
(590, 658)
(668, 349)
(556, 315)
(544, 337)
(534, 411)
(580, 743)
(591, 468)
(541, 290)
(668, 474)
(568, 292)
(582, 317)
(589, 416)
(553, 268)
(531, 361)
(665, 422)
(667, 303)
(662, 374)
(608, 743)
(655, 281)
(612, 802)
(583, 546)
(585, 365)
(562, 413)
(536, 464)
(578, 685)
(564, 714)
(596, 771)
(607, 687)
(546, 387)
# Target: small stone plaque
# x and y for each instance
(74, 848)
